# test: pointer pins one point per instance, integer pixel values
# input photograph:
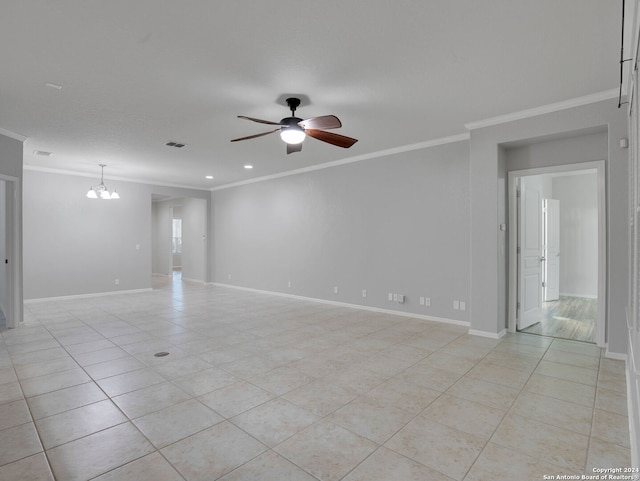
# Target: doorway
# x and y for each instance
(179, 238)
(11, 309)
(557, 263)
(176, 242)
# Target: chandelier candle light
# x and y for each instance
(100, 191)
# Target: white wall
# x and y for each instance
(395, 224)
(74, 245)
(194, 239)
(161, 238)
(578, 196)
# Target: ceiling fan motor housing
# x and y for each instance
(290, 122)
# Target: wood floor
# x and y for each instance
(568, 318)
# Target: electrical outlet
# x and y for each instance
(422, 301)
(427, 301)
(456, 305)
(117, 282)
(289, 284)
(364, 293)
(229, 276)
(335, 289)
(401, 298)
(390, 296)
(463, 306)
(395, 298)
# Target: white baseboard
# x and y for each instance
(586, 296)
(345, 304)
(615, 355)
(633, 398)
(198, 281)
(85, 296)
(490, 335)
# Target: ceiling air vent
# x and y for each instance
(177, 145)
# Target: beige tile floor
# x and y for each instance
(259, 387)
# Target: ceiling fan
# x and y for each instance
(293, 129)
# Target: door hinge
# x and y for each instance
(518, 193)
(518, 305)
(518, 249)
(544, 284)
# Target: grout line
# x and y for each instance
(287, 311)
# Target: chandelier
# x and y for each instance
(100, 191)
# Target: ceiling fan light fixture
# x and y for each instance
(292, 135)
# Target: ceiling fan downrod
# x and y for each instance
(293, 104)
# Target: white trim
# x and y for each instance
(345, 304)
(13, 135)
(585, 296)
(197, 281)
(372, 155)
(633, 401)
(490, 335)
(615, 355)
(86, 296)
(544, 109)
(634, 423)
(600, 167)
(51, 170)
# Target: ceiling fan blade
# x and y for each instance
(291, 148)
(255, 135)
(324, 122)
(331, 138)
(268, 122)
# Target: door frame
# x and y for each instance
(15, 309)
(513, 176)
(546, 209)
(530, 258)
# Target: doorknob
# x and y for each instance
(542, 259)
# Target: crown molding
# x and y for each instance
(544, 109)
(372, 155)
(51, 170)
(13, 135)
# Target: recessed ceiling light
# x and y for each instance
(208, 176)
(53, 86)
(248, 166)
(42, 153)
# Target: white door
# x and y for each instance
(530, 259)
(551, 249)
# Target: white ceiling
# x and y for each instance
(138, 73)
